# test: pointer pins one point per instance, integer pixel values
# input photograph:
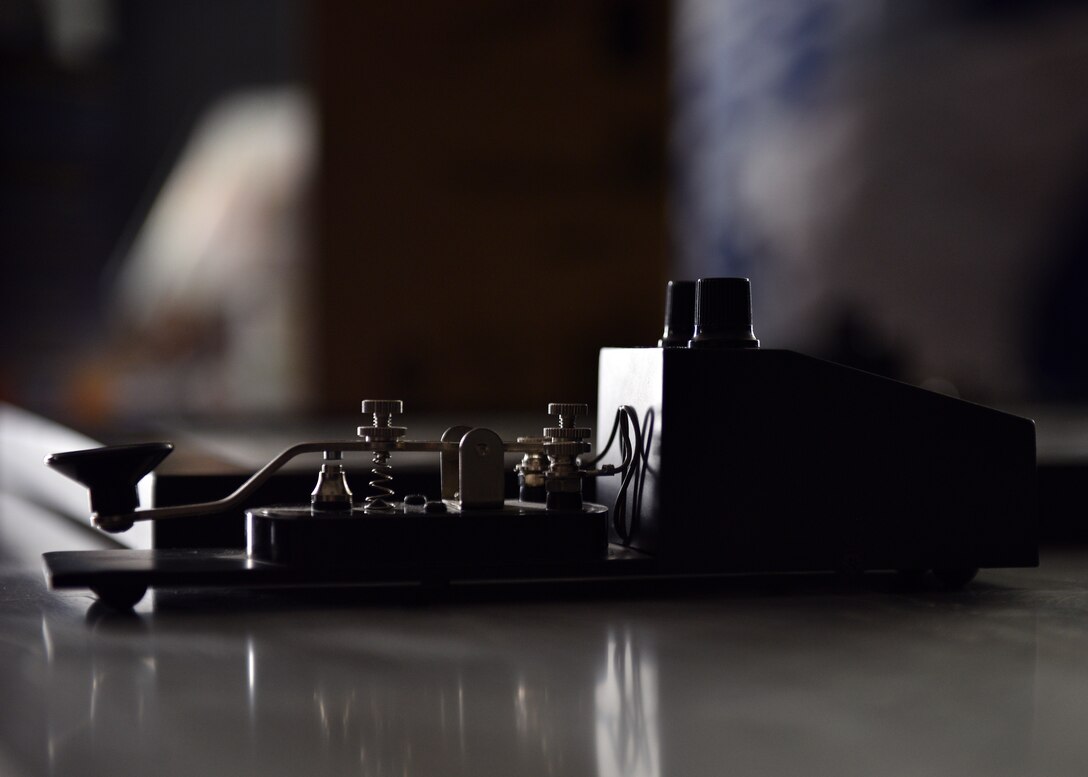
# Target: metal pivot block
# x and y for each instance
(481, 469)
(451, 463)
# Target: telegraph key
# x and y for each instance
(716, 456)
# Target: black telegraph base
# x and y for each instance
(121, 577)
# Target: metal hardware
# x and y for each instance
(451, 462)
(379, 439)
(563, 479)
(568, 429)
(331, 492)
(531, 471)
(481, 469)
(568, 412)
(381, 431)
(567, 432)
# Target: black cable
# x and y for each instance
(608, 445)
(632, 462)
(619, 509)
(631, 450)
(643, 468)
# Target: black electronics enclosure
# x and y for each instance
(768, 460)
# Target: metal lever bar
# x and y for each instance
(123, 521)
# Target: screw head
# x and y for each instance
(565, 448)
(381, 433)
(568, 408)
(383, 406)
(567, 432)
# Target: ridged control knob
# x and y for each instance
(723, 314)
(679, 315)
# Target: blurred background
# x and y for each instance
(248, 209)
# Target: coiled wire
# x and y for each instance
(383, 478)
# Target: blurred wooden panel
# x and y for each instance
(491, 202)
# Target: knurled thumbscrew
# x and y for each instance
(382, 411)
(568, 412)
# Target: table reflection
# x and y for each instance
(626, 710)
(614, 688)
(373, 692)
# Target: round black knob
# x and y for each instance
(111, 473)
(723, 314)
(679, 315)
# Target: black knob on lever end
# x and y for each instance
(111, 474)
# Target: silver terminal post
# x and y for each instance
(382, 431)
(531, 471)
(331, 492)
(563, 444)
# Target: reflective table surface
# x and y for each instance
(797, 675)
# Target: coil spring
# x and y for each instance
(383, 477)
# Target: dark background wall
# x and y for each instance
(489, 200)
(491, 205)
(500, 188)
(94, 121)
